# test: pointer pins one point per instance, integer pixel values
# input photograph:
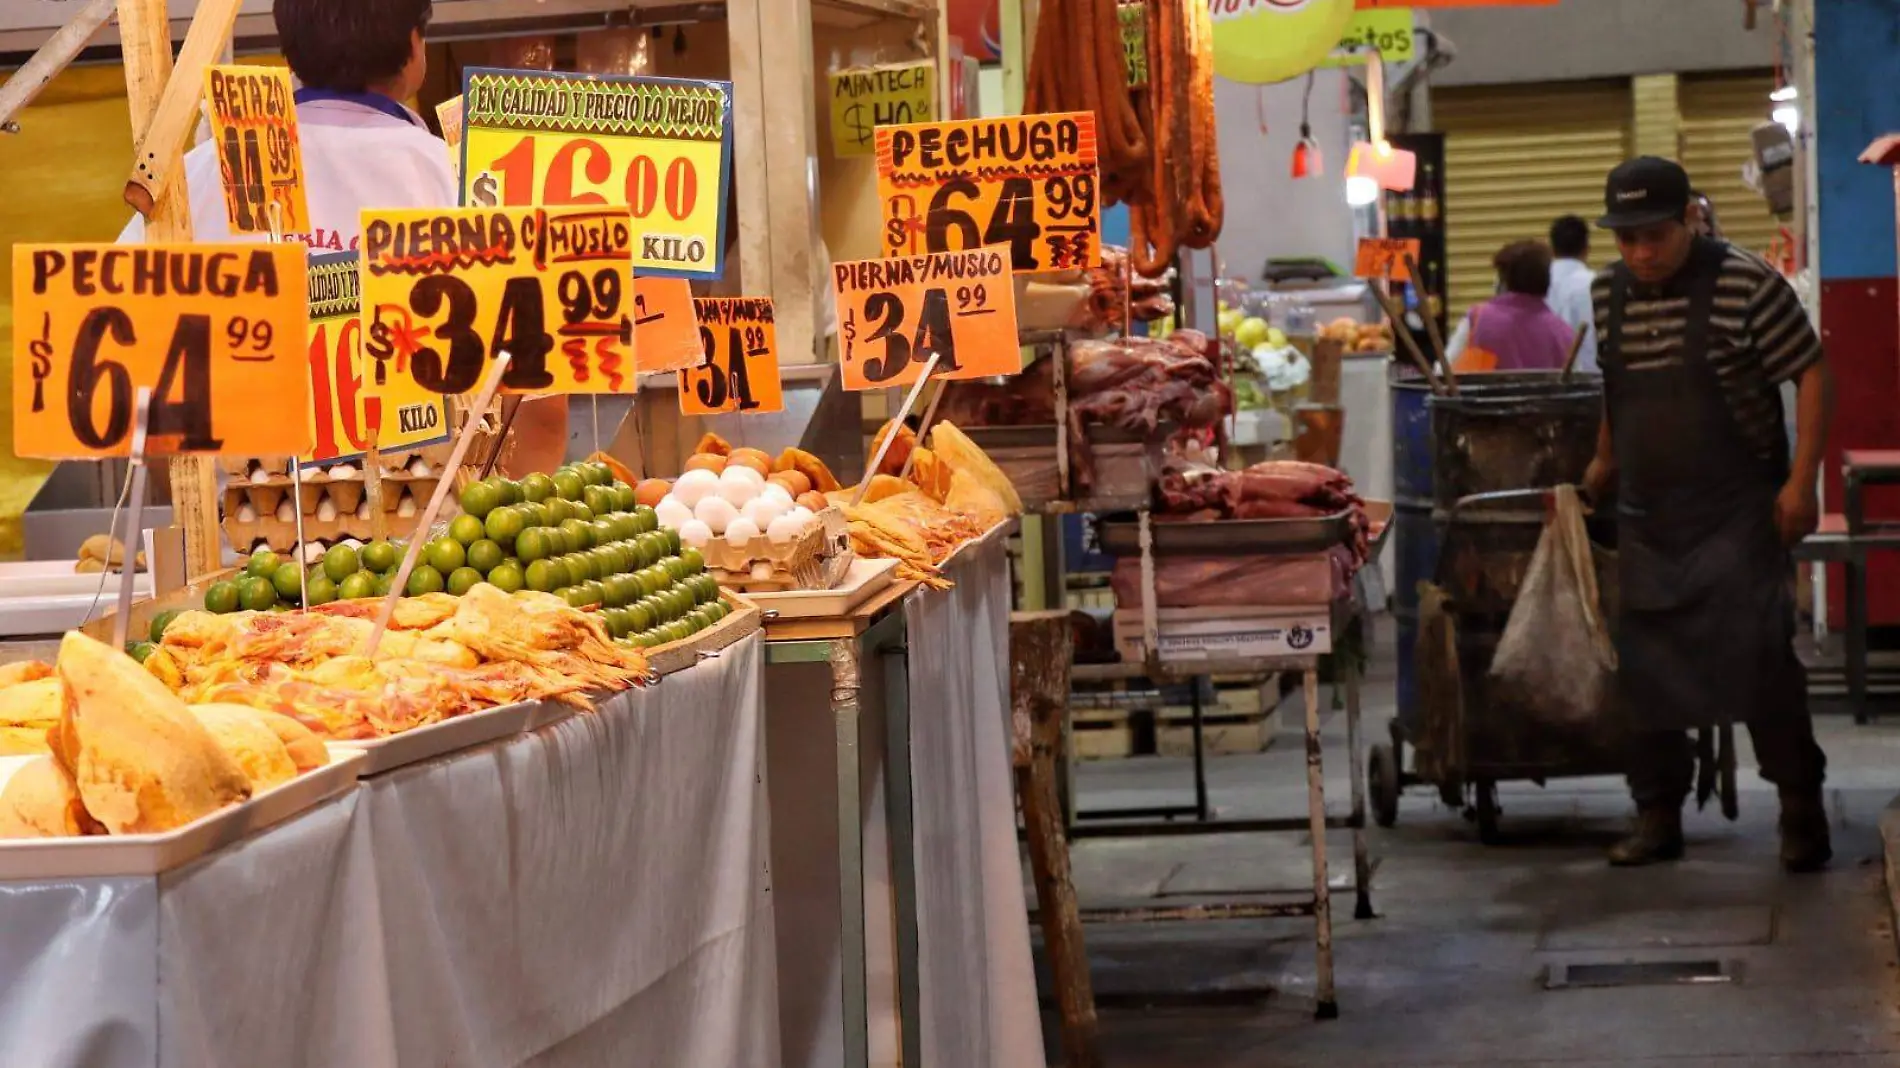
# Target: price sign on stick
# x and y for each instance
(343, 415)
(739, 372)
(449, 114)
(254, 126)
(446, 291)
(665, 333)
(868, 97)
(1026, 182)
(1384, 257)
(215, 331)
(660, 146)
(895, 314)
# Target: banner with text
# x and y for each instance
(895, 313)
(344, 418)
(890, 95)
(260, 158)
(740, 370)
(1390, 33)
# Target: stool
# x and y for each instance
(1846, 538)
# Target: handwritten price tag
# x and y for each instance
(665, 333)
(1027, 182)
(1384, 257)
(260, 159)
(658, 146)
(449, 114)
(892, 95)
(894, 314)
(1389, 33)
(215, 331)
(343, 415)
(740, 370)
(446, 291)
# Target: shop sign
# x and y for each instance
(895, 314)
(868, 97)
(1389, 33)
(1027, 183)
(665, 334)
(449, 114)
(1385, 257)
(260, 160)
(216, 332)
(661, 147)
(344, 418)
(739, 369)
(446, 291)
(1258, 42)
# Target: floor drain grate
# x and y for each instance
(1642, 973)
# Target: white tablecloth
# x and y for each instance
(594, 894)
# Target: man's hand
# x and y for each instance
(1797, 511)
(1598, 478)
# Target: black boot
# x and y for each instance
(1805, 845)
(1656, 837)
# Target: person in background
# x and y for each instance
(1570, 278)
(1697, 337)
(1515, 330)
(1702, 215)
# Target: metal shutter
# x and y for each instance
(1718, 111)
(1516, 158)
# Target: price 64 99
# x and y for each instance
(1065, 226)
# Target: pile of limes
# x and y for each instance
(576, 534)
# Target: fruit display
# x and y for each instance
(1358, 336)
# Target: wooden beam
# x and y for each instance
(159, 158)
(145, 40)
(53, 57)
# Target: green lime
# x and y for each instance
(694, 559)
(672, 539)
(444, 554)
(480, 498)
(700, 618)
(653, 548)
(595, 593)
(597, 474)
(256, 593)
(619, 590)
(222, 597)
(705, 588)
(598, 498)
(576, 596)
(466, 529)
(640, 617)
(424, 579)
(647, 519)
(577, 510)
(510, 491)
(653, 607)
(619, 622)
(534, 544)
(603, 532)
(556, 510)
(485, 556)
(358, 587)
(580, 532)
(463, 579)
(537, 487)
(287, 580)
(381, 556)
(323, 589)
(624, 525)
(508, 577)
(675, 567)
(624, 498)
(537, 515)
(341, 562)
(683, 600)
(263, 564)
(160, 622)
(505, 525)
(541, 576)
(654, 579)
(568, 485)
(720, 610)
(382, 580)
(142, 651)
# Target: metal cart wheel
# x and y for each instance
(1382, 772)
(1486, 812)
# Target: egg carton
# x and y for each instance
(323, 501)
(805, 558)
(281, 537)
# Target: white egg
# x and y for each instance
(672, 513)
(737, 490)
(261, 543)
(286, 511)
(315, 474)
(716, 512)
(742, 473)
(406, 507)
(362, 510)
(419, 467)
(741, 532)
(784, 529)
(326, 509)
(763, 510)
(313, 551)
(763, 571)
(344, 472)
(695, 486)
(246, 513)
(776, 492)
(802, 514)
(259, 475)
(695, 534)
(353, 543)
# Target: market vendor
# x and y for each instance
(1696, 337)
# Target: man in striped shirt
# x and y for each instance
(1696, 338)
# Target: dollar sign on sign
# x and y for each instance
(483, 193)
(854, 122)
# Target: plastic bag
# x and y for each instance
(1556, 660)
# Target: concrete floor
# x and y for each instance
(1452, 973)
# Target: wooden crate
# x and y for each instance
(1102, 735)
(1221, 734)
(1190, 634)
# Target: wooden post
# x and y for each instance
(145, 40)
(1041, 647)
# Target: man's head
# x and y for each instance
(1570, 238)
(353, 46)
(1646, 201)
(1524, 267)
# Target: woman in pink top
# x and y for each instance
(1515, 330)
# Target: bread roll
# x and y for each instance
(40, 802)
(241, 733)
(141, 762)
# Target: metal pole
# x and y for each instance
(1328, 1003)
(1361, 861)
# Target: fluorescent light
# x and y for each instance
(1790, 116)
(1785, 94)
(1362, 191)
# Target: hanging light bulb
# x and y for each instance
(1307, 160)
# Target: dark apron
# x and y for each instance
(1707, 625)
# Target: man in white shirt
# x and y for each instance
(1570, 279)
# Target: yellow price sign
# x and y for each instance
(740, 369)
(895, 314)
(1028, 182)
(863, 99)
(661, 147)
(214, 331)
(260, 158)
(449, 114)
(344, 418)
(446, 291)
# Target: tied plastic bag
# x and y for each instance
(1556, 660)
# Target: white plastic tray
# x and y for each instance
(441, 739)
(110, 856)
(864, 580)
(49, 597)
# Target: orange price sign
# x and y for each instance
(344, 417)
(215, 331)
(446, 291)
(1384, 257)
(1027, 182)
(665, 333)
(260, 158)
(660, 146)
(740, 370)
(894, 314)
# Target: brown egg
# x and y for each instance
(794, 482)
(814, 500)
(652, 491)
(754, 458)
(706, 461)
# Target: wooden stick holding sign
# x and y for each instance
(134, 516)
(1431, 321)
(910, 401)
(54, 56)
(160, 153)
(923, 429)
(1576, 349)
(470, 426)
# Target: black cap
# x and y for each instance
(1645, 190)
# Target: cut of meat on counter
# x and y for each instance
(1113, 288)
(1276, 489)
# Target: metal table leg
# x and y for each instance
(845, 714)
(1328, 1003)
(1361, 861)
(902, 826)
